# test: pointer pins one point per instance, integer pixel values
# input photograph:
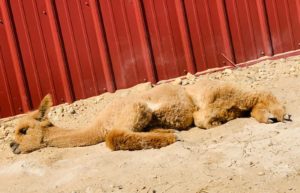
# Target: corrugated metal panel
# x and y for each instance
(127, 42)
(284, 19)
(249, 29)
(85, 47)
(41, 52)
(7, 91)
(169, 38)
(80, 48)
(209, 32)
(13, 98)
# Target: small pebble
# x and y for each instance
(185, 82)
(72, 111)
(283, 60)
(177, 81)
(227, 72)
(292, 69)
(261, 173)
(190, 77)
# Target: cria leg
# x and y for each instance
(262, 115)
(268, 109)
(127, 140)
(128, 132)
(206, 119)
(269, 113)
(215, 116)
(162, 130)
(133, 116)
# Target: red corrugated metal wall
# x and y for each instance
(81, 48)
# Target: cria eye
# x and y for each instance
(23, 131)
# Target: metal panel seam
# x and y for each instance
(58, 49)
(15, 56)
(102, 47)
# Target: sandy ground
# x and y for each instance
(239, 156)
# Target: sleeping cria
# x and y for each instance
(149, 119)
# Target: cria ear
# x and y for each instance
(43, 109)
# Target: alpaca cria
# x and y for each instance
(131, 123)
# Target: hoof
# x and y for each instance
(272, 120)
(178, 137)
(287, 117)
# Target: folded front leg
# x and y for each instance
(128, 140)
(162, 130)
(206, 119)
(268, 109)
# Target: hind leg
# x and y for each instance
(134, 116)
(269, 109)
(265, 114)
(127, 140)
(163, 130)
(207, 119)
(261, 114)
(215, 116)
(127, 133)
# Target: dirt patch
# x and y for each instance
(239, 156)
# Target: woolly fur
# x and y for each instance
(206, 104)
